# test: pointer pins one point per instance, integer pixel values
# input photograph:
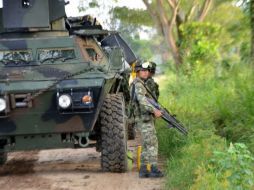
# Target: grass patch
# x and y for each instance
(211, 107)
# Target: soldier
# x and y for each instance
(145, 114)
(152, 86)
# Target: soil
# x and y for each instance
(69, 169)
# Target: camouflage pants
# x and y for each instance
(149, 152)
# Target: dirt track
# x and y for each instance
(68, 169)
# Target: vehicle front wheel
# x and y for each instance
(113, 134)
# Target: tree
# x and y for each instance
(252, 27)
(169, 15)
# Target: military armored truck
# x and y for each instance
(61, 82)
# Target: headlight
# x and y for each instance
(2, 104)
(87, 99)
(64, 101)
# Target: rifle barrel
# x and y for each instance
(168, 117)
(176, 125)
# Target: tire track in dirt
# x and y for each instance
(69, 169)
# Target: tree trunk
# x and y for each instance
(169, 22)
(173, 47)
(206, 6)
(168, 29)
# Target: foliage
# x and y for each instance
(206, 103)
(200, 44)
(237, 164)
(198, 149)
(234, 38)
(208, 181)
(135, 17)
(231, 37)
(229, 170)
(235, 107)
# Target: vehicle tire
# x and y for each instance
(3, 158)
(113, 134)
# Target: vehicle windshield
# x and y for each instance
(52, 55)
(16, 56)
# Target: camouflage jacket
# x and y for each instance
(138, 93)
(153, 87)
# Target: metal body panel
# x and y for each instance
(34, 15)
(44, 118)
(38, 142)
(36, 42)
(56, 5)
(31, 13)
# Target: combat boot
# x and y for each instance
(155, 172)
(143, 172)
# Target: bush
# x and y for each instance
(200, 44)
(197, 151)
(229, 170)
(207, 104)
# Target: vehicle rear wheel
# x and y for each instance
(3, 157)
(113, 134)
(131, 131)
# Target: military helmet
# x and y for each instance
(142, 65)
(152, 67)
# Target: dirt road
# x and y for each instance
(68, 169)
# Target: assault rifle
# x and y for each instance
(169, 118)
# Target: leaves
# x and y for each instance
(133, 16)
(237, 164)
(93, 4)
(200, 44)
(203, 101)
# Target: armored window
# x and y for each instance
(92, 54)
(52, 55)
(16, 57)
(90, 51)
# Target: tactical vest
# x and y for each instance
(153, 87)
(135, 107)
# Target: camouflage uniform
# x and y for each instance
(153, 87)
(144, 120)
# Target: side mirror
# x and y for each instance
(116, 58)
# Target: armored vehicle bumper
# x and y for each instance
(43, 114)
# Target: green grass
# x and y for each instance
(212, 105)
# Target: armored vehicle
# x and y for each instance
(62, 82)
